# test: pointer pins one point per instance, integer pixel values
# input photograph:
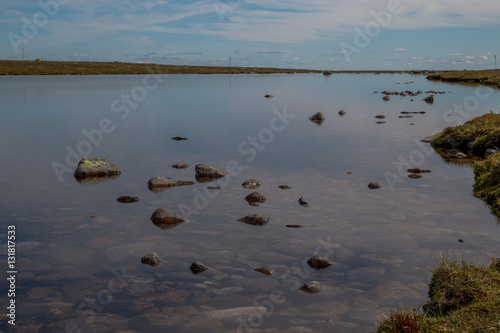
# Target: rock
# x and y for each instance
(429, 99)
(127, 199)
(165, 219)
(215, 188)
(39, 60)
(255, 197)
(264, 270)
(386, 98)
(268, 96)
(151, 259)
(317, 117)
(380, 116)
(197, 267)
(294, 226)
(319, 262)
(252, 184)
(380, 122)
(95, 167)
(491, 152)
(255, 219)
(374, 186)
(303, 202)
(326, 73)
(284, 187)
(162, 182)
(180, 166)
(203, 170)
(415, 176)
(179, 138)
(342, 113)
(312, 287)
(407, 116)
(418, 170)
(460, 155)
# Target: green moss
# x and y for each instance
(466, 295)
(487, 181)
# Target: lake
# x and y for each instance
(78, 251)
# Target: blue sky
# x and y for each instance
(316, 34)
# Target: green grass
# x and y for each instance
(483, 131)
(463, 297)
(487, 182)
(487, 77)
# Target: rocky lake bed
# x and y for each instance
(257, 218)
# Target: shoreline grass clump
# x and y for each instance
(489, 77)
(487, 182)
(483, 132)
(463, 297)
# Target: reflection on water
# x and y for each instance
(79, 250)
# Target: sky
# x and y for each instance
(310, 34)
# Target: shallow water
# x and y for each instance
(79, 250)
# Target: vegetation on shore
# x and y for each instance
(462, 298)
(487, 77)
(487, 182)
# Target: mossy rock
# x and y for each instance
(95, 167)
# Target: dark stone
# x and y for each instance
(327, 73)
(252, 184)
(429, 99)
(312, 287)
(295, 226)
(374, 186)
(216, 188)
(268, 96)
(303, 202)
(162, 182)
(95, 167)
(165, 219)
(197, 267)
(380, 122)
(284, 187)
(415, 176)
(319, 262)
(386, 98)
(380, 116)
(127, 199)
(341, 113)
(255, 197)
(255, 219)
(151, 259)
(180, 166)
(207, 171)
(406, 116)
(179, 138)
(418, 170)
(318, 118)
(264, 270)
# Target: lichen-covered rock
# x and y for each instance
(317, 117)
(319, 262)
(151, 259)
(252, 184)
(166, 182)
(255, 219)
(197, 267)
(165, 219)
(312, 287)
(203, 170)
(95, 167)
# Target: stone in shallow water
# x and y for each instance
(180, 166)
(252, 184)
(162, 182)
(255, 197)
(319, 262)
(264, 270)
(197, 267)
(374, 186)
(203, 170)
(151, 259)
(95, 167)
(284, 187)
(255, 219)
(312, 287)
(303, 202)
(127, 199)
(165, 219)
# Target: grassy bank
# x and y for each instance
(462, 298)
(488, 77)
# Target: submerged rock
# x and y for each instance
(303, 202)
(151, 259)
(180, 166)
(127, 199)
(317, 117)
(418, 170)
(386, 98)
(374, 186)
(255, 197)
(165, 219)
(197, 267)
(429, 99)
(162, 182)
(380, 116)
(264, 270)
(255, 219)
(415, 176)
(179, 138)
(295, 226)
(252, 184)
(284, 187)
(319, 262)
(203, 170)
(95, 167)
(312, 287)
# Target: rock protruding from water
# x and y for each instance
(418, 170)
(268, 96)
(151, 259)
(341, 113)
(312, 287)
(207, 171)
(127, 199)
(318, 117)
(95, 167)
(264, 270)
(374, 186)
(162, 182)
(197, 267)
(252, 184)
(180, 166)
(429, 99)
(303, 202)
(284, 187)
(165, 218)
(386, 98)
(179, 138)
(255, 219)
(255, 197)
(319, 262)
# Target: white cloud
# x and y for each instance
(456, 54)
(400, 50)
(485, 57)
(469, 57)
(417, 58)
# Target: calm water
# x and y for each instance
(79, 250)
